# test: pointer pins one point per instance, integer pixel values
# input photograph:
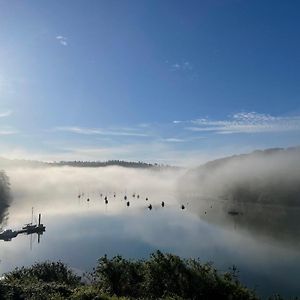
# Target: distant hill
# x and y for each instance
(268, 176)
(5, 163)
(95, 164)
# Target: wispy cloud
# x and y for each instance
(62, 40)
(246, 122)
(7, 131)
(173, 140)
(183, 66)
(155, 152)
(99, 131)
(6, 113)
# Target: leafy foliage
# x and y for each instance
(167, 275)
(41, 281)
(162, 276)
(46, 272)
(119, 276)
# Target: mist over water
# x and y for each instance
(47, 186)
(79, 231)
(258, 193)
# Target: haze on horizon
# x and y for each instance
(168, 82)
(262, 187)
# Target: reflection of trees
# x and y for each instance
(5, 196)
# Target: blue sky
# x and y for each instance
(175, 82)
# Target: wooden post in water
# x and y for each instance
(39, 219)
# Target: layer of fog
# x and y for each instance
(56, 189)
(73, 223)
(259, 193)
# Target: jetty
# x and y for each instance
(30, 228)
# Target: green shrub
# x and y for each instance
(162, 276)
(167, 275)
(46, 272)
(119, 276)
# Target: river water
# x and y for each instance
(78, 231)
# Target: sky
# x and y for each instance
(174, 82)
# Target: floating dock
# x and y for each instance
(39, 229)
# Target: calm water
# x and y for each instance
(78, 232)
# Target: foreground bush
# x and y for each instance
(39, 282)
(162, 276)
(167, 275)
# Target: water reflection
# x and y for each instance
(278, 223)
(257, 194)
(80, 231)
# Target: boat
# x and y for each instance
(29, 226)
(234, 212)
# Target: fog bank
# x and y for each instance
(48, 188)
(258, 192)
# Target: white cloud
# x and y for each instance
(62, 40)
(144, 125)
(7, 131)
(176, 66)
(167, 143)
(183, 66)
(173, 140)
(99, 131)
(130, 152)
(247, 122)
(6, 113)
